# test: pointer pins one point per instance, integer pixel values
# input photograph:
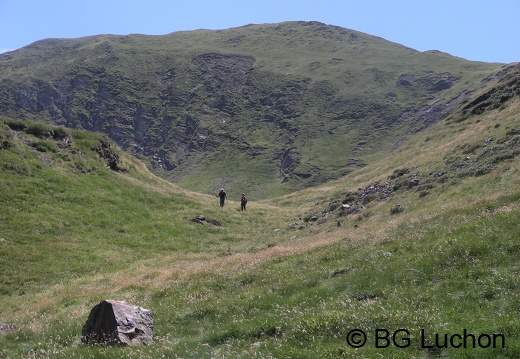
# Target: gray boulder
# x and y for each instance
(113, 322)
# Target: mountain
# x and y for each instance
(421, 244)
(263, 109)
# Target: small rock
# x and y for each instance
(339, 272)
(199, 219)
(5, 328)
(215, 222)
(413, 183)
(363, 297)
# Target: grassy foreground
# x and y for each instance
(80, 222)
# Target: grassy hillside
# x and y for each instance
(59, 193)
(304, 101)
(290, 277)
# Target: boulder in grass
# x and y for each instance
(113, 322)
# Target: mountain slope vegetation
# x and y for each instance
(423, 239)
(304, 102)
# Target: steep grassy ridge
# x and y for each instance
(305, 102)
(82, 221)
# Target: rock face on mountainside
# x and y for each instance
(265, 109)
(114, 322)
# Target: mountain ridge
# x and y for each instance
(258, 108)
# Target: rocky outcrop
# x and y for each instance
(507, 88)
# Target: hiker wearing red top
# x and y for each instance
(243, 202)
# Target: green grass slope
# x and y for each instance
(293, 276)
(82, 199)
(304, 101)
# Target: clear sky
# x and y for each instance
(480, 30)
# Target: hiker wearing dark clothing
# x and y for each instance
(222, 196)
(243, 202)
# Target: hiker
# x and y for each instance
(243, 202)
(222, 196)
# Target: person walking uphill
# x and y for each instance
(243, 202)
(222, 196)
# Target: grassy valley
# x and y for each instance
(422, 241)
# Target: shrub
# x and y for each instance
(396, 209)
(350, 197)
(15, 125)
(470, 148)
(6, 140)
(39, 130)
(334, 205)
(45, 146)
(400, 183)
(351, 210)
(59, 133)
(6, 144)
(399, 172)
(369, 198)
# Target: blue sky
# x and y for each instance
(472, 29)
